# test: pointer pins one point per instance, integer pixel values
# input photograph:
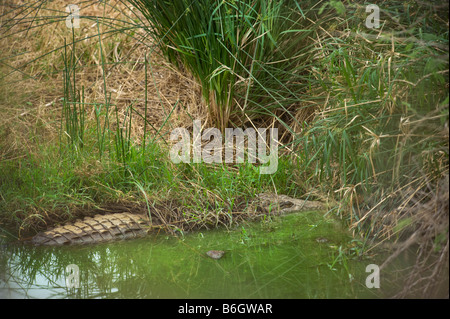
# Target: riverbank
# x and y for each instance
(362, 116)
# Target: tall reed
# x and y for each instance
(250, 57)
(73, 110)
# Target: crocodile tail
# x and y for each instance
(99, 228)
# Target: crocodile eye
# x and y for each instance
(286, 204)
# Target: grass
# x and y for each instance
(240, 52)
(362, 113)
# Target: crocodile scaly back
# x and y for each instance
(99, 228)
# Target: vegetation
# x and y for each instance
(362, 112)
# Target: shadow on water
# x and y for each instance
(298, 256)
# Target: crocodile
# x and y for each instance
(283, 204)
(124, 225)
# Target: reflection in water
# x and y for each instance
(281, 259)
(114, 270)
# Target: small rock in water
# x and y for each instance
(215, 254)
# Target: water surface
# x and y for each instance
(297, 256)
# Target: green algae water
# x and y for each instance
(295, 256)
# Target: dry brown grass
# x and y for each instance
(428, 212)
(31, 91)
